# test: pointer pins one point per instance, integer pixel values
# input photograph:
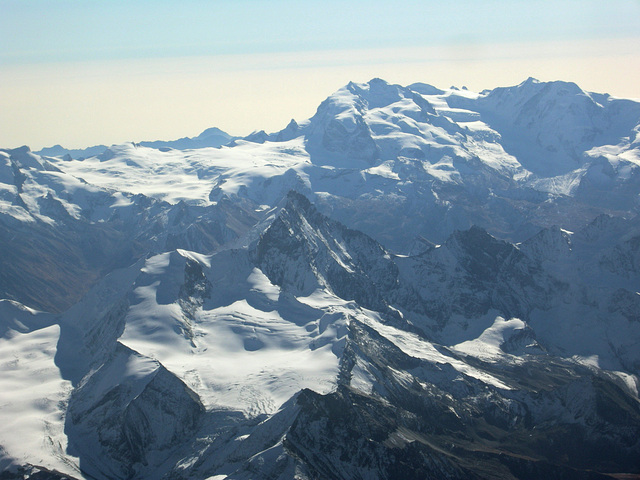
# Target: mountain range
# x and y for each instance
(211, 137)
(412, 283)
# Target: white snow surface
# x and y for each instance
(487, 345)
(372, 149)
(251, 350)
(442, 132)
(367, 141)
(417, 347)
(33, 395)
(249, 346)
(188, 176)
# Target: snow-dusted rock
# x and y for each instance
(413, 283)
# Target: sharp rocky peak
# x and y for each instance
(549, 244)
(303, 250)
(477, 243)
(607, 229)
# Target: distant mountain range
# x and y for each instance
(211, 137)
(413, 283)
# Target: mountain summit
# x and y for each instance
(413, 283)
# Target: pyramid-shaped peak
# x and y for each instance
(477, 243)
(529, 81)
(303, 250)
(297, 199)
(289, 132)
(607, 229)
(473, 234)
(548, 244)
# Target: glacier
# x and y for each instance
(413, 283)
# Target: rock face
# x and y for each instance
(303, 250)
(424, 425)
(413, 283)
(123, 422)
(469, 275)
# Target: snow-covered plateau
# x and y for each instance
(413, 283)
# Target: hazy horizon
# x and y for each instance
(84, 73)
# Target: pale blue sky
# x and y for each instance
(60, 56)
(64, 30)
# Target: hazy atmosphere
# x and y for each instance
(80, 73)
(433, 271)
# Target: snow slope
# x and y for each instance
(412, 283)
(419, 160)
(34, 394)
